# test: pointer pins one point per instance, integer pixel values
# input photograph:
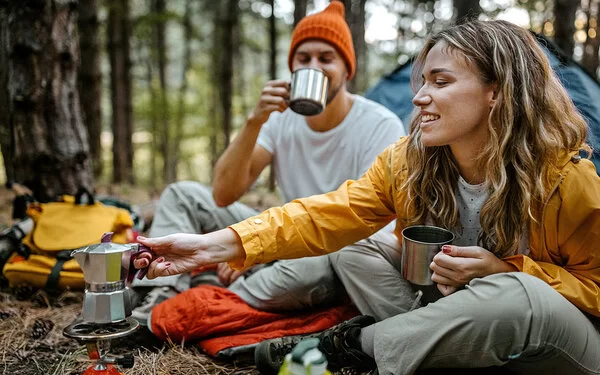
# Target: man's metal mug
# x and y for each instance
(308, 93)
(420, 243)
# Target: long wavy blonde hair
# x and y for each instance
(532, 123)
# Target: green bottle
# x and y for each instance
(305, 359)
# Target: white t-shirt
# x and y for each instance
(309, 162)
(470, 199)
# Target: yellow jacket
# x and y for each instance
(564, 249)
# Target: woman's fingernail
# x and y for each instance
(167, 264)
(160, 259)
(446, 249)
(141, 238)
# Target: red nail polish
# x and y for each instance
(160, 259)
(446, 249)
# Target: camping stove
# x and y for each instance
(107, 270)
(97, 340)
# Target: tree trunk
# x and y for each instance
(466, 9)
(355, 17)
(51, 152)
(159, 8)
(590, 60)
(273, 66)
(215, 110)
(564, 24)
(119, 35)
(358, 35)
(153, 120)
(229, 24)
(181, 108)
(299, 10)
(6, 137)
(90, 79)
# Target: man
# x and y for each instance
(311, 155)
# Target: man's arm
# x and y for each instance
(239, 166)
(241, 163)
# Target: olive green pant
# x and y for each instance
(510, 319)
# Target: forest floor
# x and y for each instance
(32, 322)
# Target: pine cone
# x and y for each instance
(41, 328)
(23, 292)
(6, 314)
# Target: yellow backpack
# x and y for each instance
(59, 228)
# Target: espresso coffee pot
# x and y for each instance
(107, 271)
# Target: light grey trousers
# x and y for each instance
(509, 319)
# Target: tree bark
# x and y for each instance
(153, 120)
(159, 8)
(51, 152)
(564, 24)
(299, 10)
(90, 79)
(355, 17)
(230, 41)
(215, 110)
(466, 9)
(119, 35)
(187, 63)
(6, 137)
(273, 67)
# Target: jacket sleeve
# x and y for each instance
(573, 270)
(322, 223)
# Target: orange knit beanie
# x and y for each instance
(329, 26)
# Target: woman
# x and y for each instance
(496, 142)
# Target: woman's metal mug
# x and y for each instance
(308, 92)
(420, 243)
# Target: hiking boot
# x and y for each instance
(269, 354)
(153, 298)
(340, 344)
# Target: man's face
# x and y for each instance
(320, 55)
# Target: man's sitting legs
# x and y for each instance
(288, 285)
(184, 207)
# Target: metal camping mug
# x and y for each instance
(308, 93)
(420, 243)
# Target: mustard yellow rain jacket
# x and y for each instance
(564, 249)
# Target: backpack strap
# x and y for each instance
(52, 282)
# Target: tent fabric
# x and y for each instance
(394, 92)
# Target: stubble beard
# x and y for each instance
(333, 93)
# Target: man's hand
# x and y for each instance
(226, 274)
(456, 266)
(274, 97)
(183, 252)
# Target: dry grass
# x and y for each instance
(30, 345)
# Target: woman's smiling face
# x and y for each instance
(454, 102)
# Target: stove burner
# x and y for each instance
(88, 331)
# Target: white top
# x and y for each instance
(309, 162)
(470, 199)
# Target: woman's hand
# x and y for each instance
(183, 252)
(456, 266)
